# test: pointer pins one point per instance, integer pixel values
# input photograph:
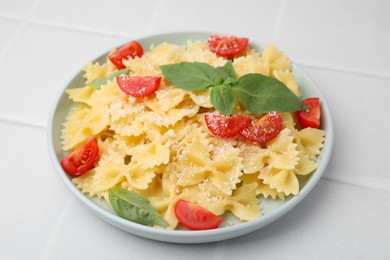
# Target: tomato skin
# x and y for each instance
(194, 217)
(226, 126)
(131, 50)
(264, 129)
(227, 46)
(81, 160)
(138, 86)
(312, 117)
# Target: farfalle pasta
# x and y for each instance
(160, 147)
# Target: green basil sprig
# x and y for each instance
(132, 206)
(261, 94)
(258, 93)
(223, 99)
(192, 75)
(97, 83)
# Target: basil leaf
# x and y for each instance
(96, 84)
(132, 206)
(192, 75)
(261, 94)
(258, 93)
(223, 99)
(230, 81)
(227, 70)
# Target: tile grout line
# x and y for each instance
(356, 72)
(12, 38)
(79, 28)
(158, 6)
(354, 184)
(220, 250)
(278, 21)
(24, 122)
(51, 240)
(12, 17)
(23, 23)
(63, 26)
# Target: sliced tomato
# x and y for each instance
(131, 50)
(225, 126)
(138, 86)
(194, 217)
(81, 160)
(264, 129)
(312, 116)
(227, 46)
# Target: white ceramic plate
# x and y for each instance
(273, 209)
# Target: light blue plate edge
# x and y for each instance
(205, 236)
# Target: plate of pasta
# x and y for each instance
(190, 137)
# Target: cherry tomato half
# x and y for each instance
(194, 217)
(226, 126)
(138, 86)
(311, 117)
(227, 46)
(264, 129)
(131, 50)
(81, 160)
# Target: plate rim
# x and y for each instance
(202, 236)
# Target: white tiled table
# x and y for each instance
(343, 45)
